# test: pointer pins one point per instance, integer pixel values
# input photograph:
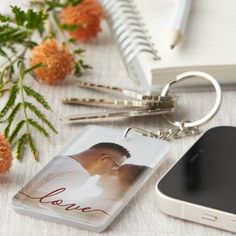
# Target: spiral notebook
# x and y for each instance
(141, 28)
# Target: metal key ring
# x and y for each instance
(211, 113)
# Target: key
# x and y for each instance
(119, 102)
(115, 114)
(120, 91)
(138, 104)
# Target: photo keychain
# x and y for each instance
(95, 176)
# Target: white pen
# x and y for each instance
(179, 23)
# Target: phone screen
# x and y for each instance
(206, 174)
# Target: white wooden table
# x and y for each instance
(141, 216)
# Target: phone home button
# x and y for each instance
(209, 217)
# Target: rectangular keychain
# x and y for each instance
(92, 179)
(98, 173)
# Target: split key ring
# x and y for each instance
(211, 113)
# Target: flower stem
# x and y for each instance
(15, 58)
(21, 78)
(52, 17)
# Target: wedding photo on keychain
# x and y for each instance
(92, 179)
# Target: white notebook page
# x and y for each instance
(209, 38)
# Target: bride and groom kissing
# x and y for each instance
(96, 178)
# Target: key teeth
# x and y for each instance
(64, 100)
(139, 105)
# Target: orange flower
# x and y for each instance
(93, 7)
(87, 16)
(5, 155)
(57, 61)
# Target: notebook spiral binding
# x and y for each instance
(129, 32)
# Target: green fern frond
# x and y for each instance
(11, 118)
(31, 69)
(16, 130)
(37, 126)
(40, 115)
(6, 131)
(37, 96)
(20, 148)
(33, 147)
(11, 100)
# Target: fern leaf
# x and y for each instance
(16, 130)
(20, 148)
(6, 131)
(33, 148)
(11, 118)
(37, 96)
(31, 69)
(38, 127)
(11, 99)
(40, 115)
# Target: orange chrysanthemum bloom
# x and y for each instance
(92, 7)
(5, 155)
(87, 16)
(57, 61)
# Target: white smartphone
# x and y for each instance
(201, 186)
